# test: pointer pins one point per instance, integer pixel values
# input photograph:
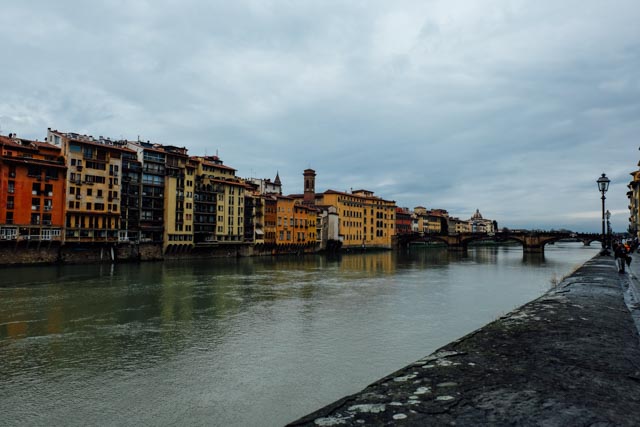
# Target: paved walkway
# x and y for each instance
(571, 357)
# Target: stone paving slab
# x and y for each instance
(570, 357)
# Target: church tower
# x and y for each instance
(309, 186)
(277, 183)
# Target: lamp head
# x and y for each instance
(603, 183)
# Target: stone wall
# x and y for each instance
(12, 253)
(21, 253)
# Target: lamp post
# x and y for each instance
(603, 186)
(608, 216)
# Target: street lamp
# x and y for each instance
(608, 216)
(603, 186)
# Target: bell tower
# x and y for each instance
(309, 186)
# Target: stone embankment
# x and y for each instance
(571, 357)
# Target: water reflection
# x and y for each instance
(226, 329)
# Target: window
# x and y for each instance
(9, 219)
(10, 202)
(12, 187)
(89, 192)
(88, 206)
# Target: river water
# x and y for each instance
(246, 342)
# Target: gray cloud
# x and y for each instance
(511, 107)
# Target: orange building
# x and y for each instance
(288, 222)
(32, 190)
(270, 219)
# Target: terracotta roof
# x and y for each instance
(358, 195)
(222, 181)
(13, 142)
(27, 160)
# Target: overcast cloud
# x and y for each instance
(512, 107)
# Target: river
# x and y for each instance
(246, 342)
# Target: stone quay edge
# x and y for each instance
(570, 357)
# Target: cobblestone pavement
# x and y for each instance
(568, 358)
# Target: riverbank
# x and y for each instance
(26, 253)
(570, 357)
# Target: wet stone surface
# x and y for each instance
(571, 357)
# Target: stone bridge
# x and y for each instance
(531, 241)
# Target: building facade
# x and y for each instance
(404, 221)
(365, 220)
(230, 193)
(478, 224)
(32, 190)
(93, 195)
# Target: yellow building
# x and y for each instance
(421, 219)
(365, 220)
(93, 193)
(438, 221)
(230, 198)
(457, 225)
(178, 200)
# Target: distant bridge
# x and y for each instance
(531, 241)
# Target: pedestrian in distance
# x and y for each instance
(620, 255)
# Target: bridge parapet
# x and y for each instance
(531, 241)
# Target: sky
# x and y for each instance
(514, 108)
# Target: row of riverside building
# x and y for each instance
(75, 188)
